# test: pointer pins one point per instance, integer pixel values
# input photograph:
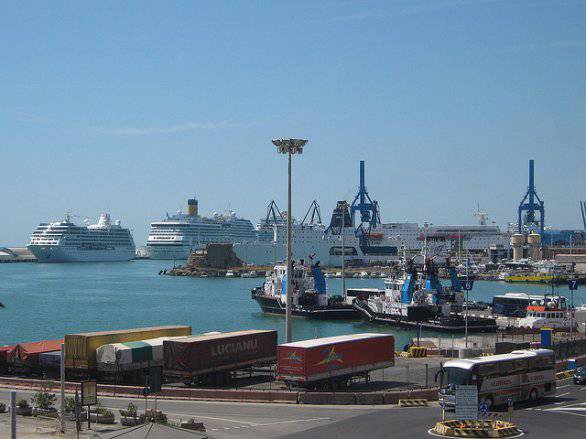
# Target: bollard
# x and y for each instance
(13, 414)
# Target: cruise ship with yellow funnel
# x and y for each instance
(178, 235)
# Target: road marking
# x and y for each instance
(293, 420)
(271, 423)
(563, 394)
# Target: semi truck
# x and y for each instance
(330, 363)
(209, 359)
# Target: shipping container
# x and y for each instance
(80, 349)
(334, 360)
(50, 360)
(212, 354)
(26, 355)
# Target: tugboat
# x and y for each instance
(422, 301)
(310, 297)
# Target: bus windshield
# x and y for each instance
(455, 376)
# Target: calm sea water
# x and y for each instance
(46, 301)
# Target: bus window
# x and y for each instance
(506, 367)
(520, 365)
(488, 369)
(457, 376)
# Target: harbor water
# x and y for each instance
(46, 301)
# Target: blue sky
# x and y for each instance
(131, 107)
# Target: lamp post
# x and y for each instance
(289, 147)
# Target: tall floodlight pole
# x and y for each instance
(289, 147)
(343, 232)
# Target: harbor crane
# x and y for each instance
(531, 204)
(583, 212)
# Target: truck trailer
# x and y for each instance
(330, 363)
(209, 359)
(80, 349)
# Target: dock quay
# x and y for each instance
(16, 254)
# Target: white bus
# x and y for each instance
(521, 375)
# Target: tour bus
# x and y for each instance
(521, 375)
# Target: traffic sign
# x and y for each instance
(467, 285)
(573, 284)
(466, 403)
(89, 393)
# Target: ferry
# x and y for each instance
(64, 241)
(178, 235)
(310, 297)
(543, 278)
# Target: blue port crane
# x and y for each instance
(583, 212)
(531, 204)
(369, 212)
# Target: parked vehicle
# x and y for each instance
(24, 357)
(521, 375)
(210, 358)
(329, 363)
(80, 349)
(580, 375)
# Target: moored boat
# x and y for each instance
(310, 297)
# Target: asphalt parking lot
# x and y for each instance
(562, 416)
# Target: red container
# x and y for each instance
(4, 351)
(322, 358)
(27, 354)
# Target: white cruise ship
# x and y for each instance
(314, 240)
(65, 241)
(178, 235)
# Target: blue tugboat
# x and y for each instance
(418, 299)
(310, 297)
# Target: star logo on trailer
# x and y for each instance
(331, 357)
(292, 356)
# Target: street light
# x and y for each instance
(289, 147)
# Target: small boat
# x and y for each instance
(230, 273)
(549, 312)
(363, 275)
(249, 274)
(310, 297)
(338, 274)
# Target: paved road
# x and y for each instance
(563, 416)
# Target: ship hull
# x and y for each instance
(452, 324)
(272, 305)
(168, 252)
(75, 254)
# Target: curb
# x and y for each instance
(233, 395)
(494, 429)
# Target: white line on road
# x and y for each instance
(293, 420)
(563, 394)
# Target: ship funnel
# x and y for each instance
(192, 207)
